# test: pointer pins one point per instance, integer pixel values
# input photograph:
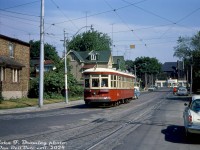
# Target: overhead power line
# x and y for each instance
(147, 11)
(64, 13)
(21, 5)
(18, 13)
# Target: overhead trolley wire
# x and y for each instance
(115, 11)
(19, 13)
(183, 18)
(21, 5)
(70, 20)
(140, 39)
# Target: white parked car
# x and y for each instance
(191, 116)
(182, 91)
(152, 88)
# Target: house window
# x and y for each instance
(93, 57)
(11, 49)
(48, 68)
(15, 75)
(73, 58)
(2, 73)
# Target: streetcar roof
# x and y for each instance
(107, 70)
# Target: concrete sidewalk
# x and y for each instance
(43, 108)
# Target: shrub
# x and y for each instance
(1, 97)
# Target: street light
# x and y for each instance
(65, 59)
(91, 27)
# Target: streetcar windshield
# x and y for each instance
(95, 82)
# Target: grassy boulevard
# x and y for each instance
(28, 102)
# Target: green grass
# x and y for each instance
(28, 102)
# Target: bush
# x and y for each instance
(53, 96)
(1, 97)
(54, 83)
(34, 88)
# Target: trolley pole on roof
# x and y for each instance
(65, 51)
(41, 82)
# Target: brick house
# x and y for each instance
(82, 60)
(14, 67)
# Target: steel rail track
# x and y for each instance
(99, 122)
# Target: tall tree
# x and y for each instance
(50, 52)
(145, 66)
(90, 40)
(188, 49)
(183, 48)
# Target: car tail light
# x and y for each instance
(190, 119)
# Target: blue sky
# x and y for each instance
(153, 26)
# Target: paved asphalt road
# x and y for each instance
(163, 131)
(152, 122)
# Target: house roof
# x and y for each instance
(35, 62)
(10, 62)
(84, 56)
(167, 66)
(14, 40)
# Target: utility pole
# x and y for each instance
(135, 73)
(41, 82)
(65, 55)
(191, 79)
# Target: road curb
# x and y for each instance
(43, 108)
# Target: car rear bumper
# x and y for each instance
(193, 129)
(182, 94)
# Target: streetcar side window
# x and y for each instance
(95, 82)
(119, 82)
(113, 80)
(123, 82)
(104, 82)
(87, 83)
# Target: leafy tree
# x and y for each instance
(50, 52)
(188, 49)
(130, 65)
(147, 64)
(183, 49)
(144, 65)
(90, 40)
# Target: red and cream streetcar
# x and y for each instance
(108, 86)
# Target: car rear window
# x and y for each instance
(182, 89)
(196, 105)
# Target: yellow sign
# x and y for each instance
(132, 46)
